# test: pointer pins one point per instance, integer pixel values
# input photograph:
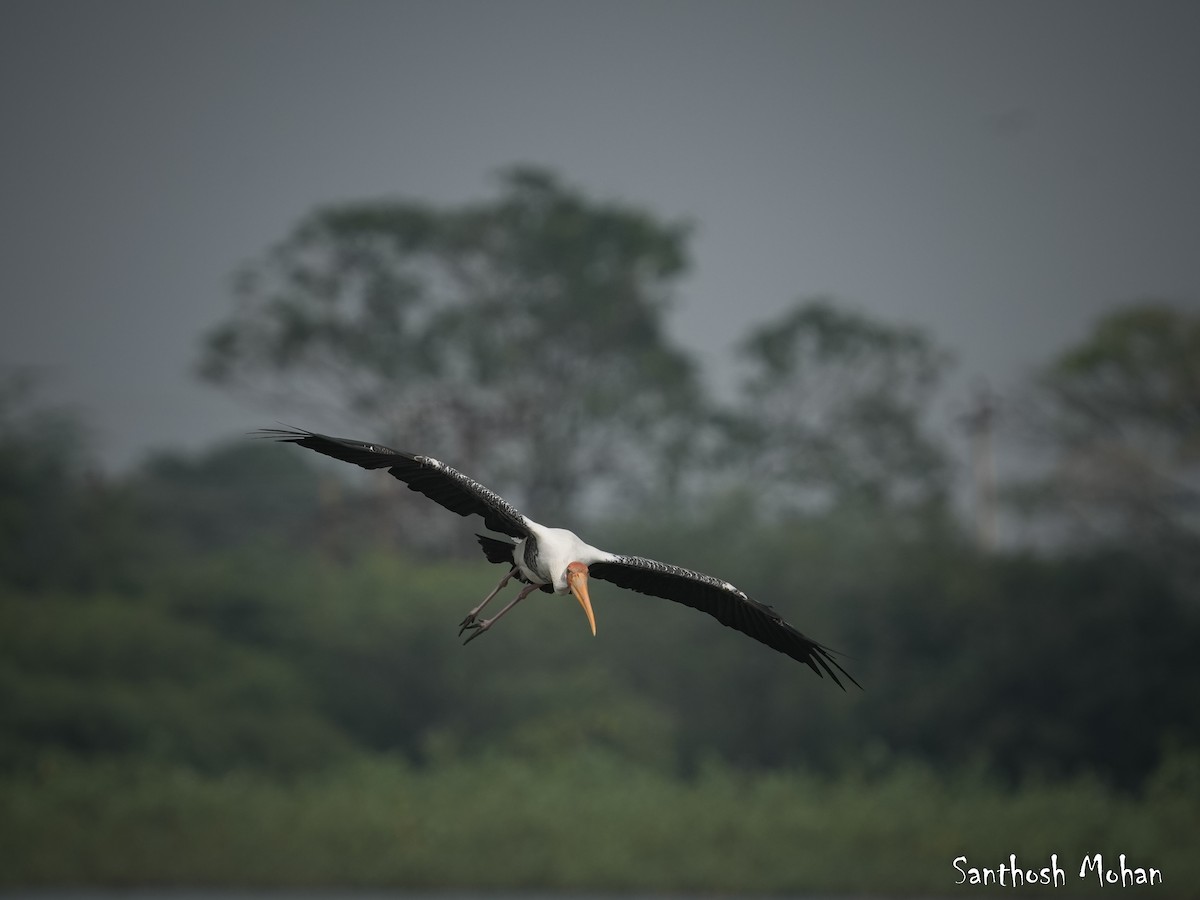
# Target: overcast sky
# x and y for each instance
(999, 173)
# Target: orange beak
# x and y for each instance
(577, 581)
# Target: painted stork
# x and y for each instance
(558, 561)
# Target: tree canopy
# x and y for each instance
(1121, 409)
(526, 330)
(834, 410)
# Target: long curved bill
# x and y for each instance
(578, 583)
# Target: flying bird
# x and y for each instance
(558, 561)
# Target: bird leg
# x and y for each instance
(469, 621)
(481, 627)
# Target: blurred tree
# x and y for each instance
(1122, 410)
(1053, 666)
(226, 496)
(42, 464)
(833, 411)
(105, 676)
(526, 331)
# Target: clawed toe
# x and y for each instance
(479, 628)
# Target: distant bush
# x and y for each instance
(581, 820)
(107, 677)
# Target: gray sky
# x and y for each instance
(999, 173)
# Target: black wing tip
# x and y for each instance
(364, 455)
(723, 601)
(287, 434)
(825, 657)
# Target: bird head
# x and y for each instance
(577, 581)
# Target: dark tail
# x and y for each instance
(496, 551)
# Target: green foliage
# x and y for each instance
(226, 496)
(284, 656)
(1035, 666)
(306, 636)
(41, 482)
(110, 677)
(217, 668)
(581, 820)
(1027, 665)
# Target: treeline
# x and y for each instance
(587, 820)
(246, 605)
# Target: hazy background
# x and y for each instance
(224, 664)
(998, 173)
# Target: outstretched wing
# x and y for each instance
(722, 600)
(424, 474)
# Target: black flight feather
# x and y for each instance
(723, 601)
(424, 474)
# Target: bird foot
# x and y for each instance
(479, 626)
(476, 628)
